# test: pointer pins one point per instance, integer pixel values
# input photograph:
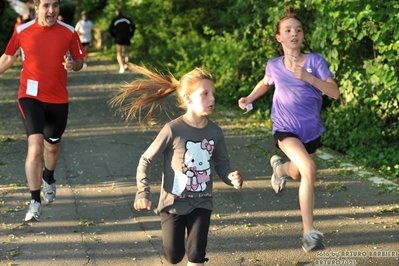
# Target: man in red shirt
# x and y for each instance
(49, 49)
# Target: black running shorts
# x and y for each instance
(310, 147)
(44, 118)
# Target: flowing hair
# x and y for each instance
(150, 90)
(289, 14)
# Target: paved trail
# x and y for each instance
(92, 221)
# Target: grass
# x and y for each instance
(86, 223)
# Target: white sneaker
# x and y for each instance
(49, 192)
(34, 211)
(121, 70)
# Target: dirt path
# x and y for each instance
(92, 221)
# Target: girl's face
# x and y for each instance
(47, 11)
(291, 34)
(202, 100)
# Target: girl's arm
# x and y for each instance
(328, 87)
(143, 198)
(260, 89)
(221, 160)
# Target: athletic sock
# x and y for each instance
(48, 176)
(35, 195)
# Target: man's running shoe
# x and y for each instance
(278, 182)
(49, 192)
(34, 211)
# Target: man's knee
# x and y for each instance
(52, 148)
(35, 144)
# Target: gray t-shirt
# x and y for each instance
(188, 153)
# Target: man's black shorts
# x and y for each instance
(44, 118)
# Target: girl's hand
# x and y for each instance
(236, 179)
(242, 102)
(142, 204)
(301, 73)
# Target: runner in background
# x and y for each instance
(19, 21)
(122, 30)
(85, 29)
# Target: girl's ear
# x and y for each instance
(278, 38)
(187, 98)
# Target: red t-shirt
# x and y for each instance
(43, 75)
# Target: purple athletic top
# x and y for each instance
(297, 104)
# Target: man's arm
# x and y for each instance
(78, 64)
(6, 61)
(111, 29)
(73, 65)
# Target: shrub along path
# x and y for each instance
(92, 221)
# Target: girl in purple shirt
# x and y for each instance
(300, 80)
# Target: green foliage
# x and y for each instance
(8, 19)
(349, 130)
(359, 40)
(67, 11)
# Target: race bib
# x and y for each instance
(32, 87)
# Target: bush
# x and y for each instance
(360, 42)
(7, 27)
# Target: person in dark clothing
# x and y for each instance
(122, 30)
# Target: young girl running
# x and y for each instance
(300, 80)
(188, 145)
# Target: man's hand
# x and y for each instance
(68, 63)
